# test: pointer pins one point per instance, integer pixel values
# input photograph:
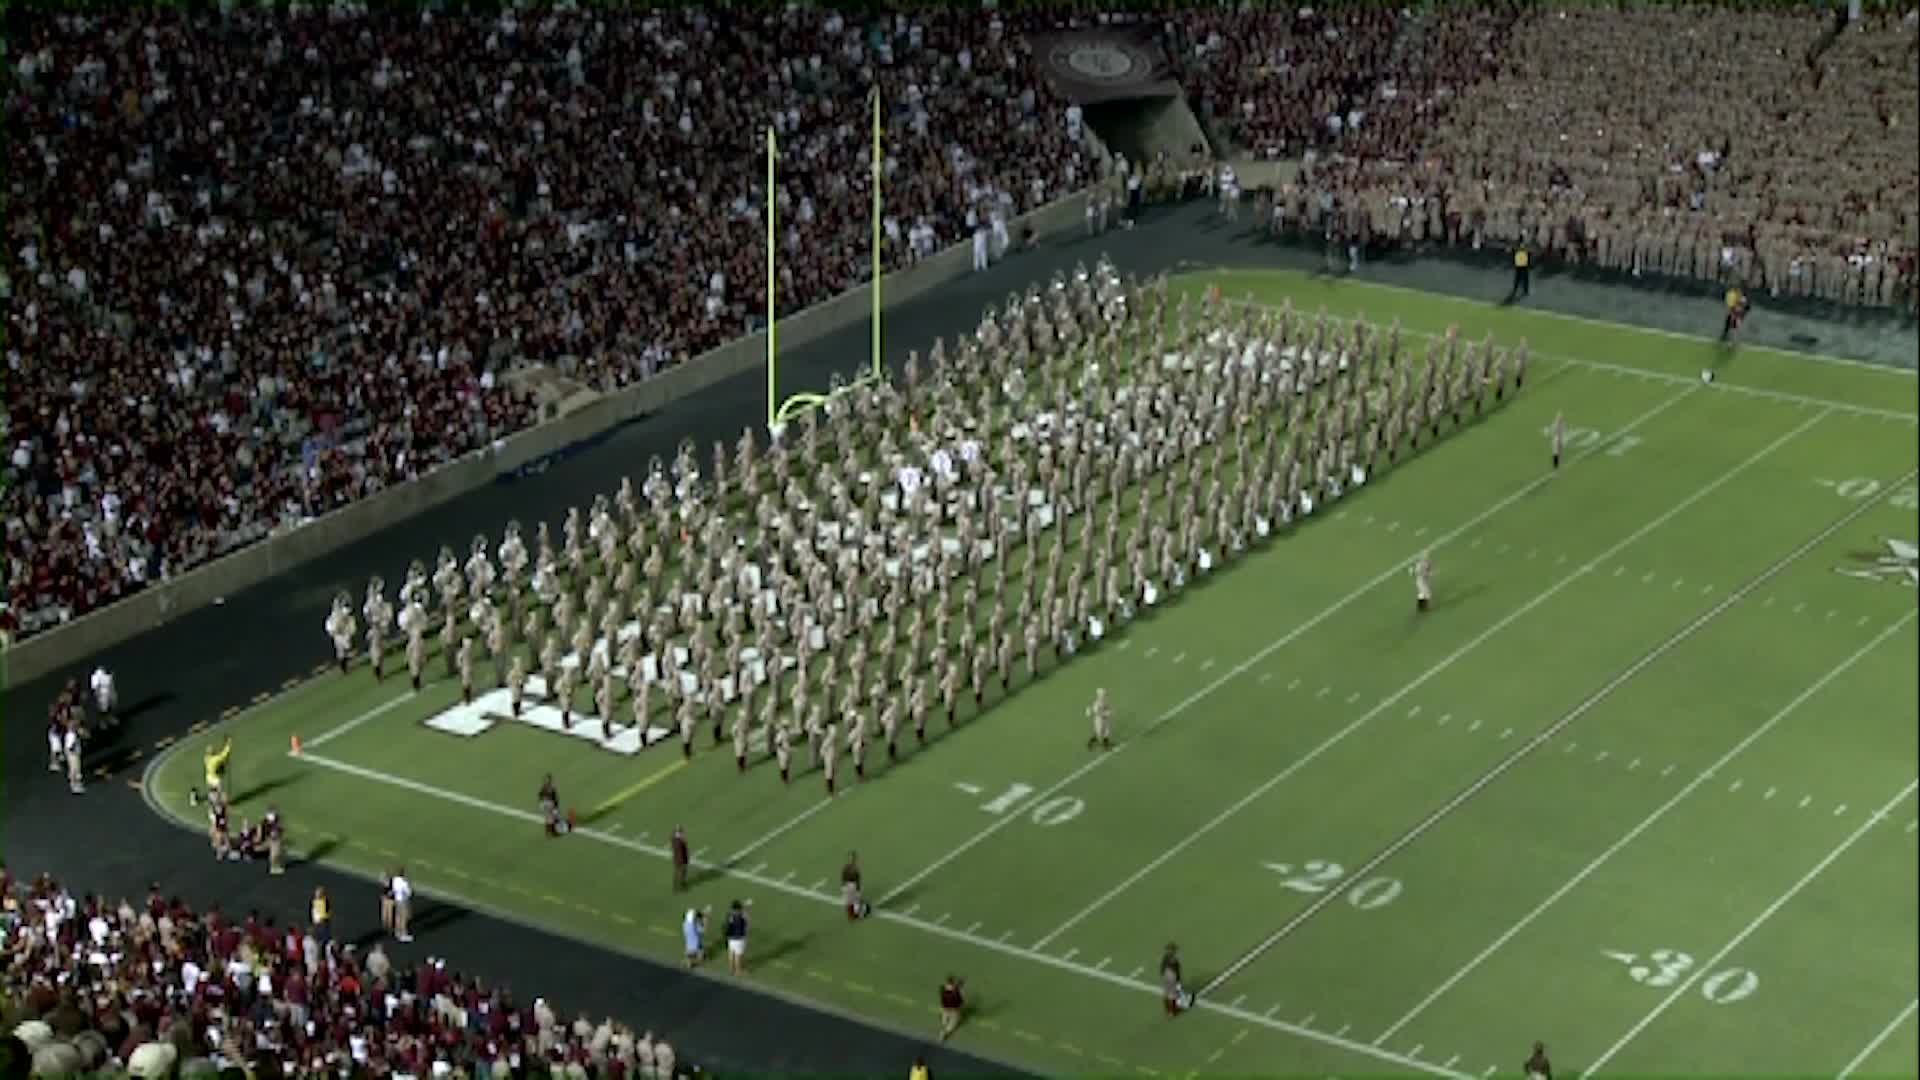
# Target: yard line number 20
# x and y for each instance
(1665, 967)
(1316, 876)
(1583, 438)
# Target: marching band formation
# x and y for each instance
(1083, 456)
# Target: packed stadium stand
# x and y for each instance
(233, 309)
(161, 990)
(1765, 147)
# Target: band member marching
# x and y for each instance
(1559, 437)
(340, 628)
(1423, 581)
(1101, 713)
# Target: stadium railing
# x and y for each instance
(71, 643)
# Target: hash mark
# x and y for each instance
(1913, 825)
(1450, 1061)
(1005, 936)
(1735, 787)
(942, 920)
(1415, 1052)
(1647, 579)
(1264, 676)
(1533, 553)
(1632, 765)
(1421, 531)
(1805, 801)
(1473, 724)
(1324, 691)
(1344, 1028)
(1152, 651)
(1136, 973)
(1308, 1022)
(1560, 558)
(1444, 717)
(1368, 520)
(1476, 543)
(1411, 713)
(1237, 1001)
(1863, 621)
(1102, 965)
(1604, 754)
(1123, 643)
(1668, 771)
(1769, 794)
(1768, 602)
(1393, 526)
(1705, 589)
(1800, 607)
(970, 929)
(1841, 809)
(1269, 1013)
(1571, 747)
(1070, 954)
(1619, 570)
(756, 870)
(1504, 548)
(1178, 657)
(1353, 697)
(1207, 663)
(1677, 582)
(1507, 734)
(818, 885)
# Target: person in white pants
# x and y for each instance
(980, 260)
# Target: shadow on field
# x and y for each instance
(264, 788)
(320, 851)
(784, 948)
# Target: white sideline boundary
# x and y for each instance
(1748, 930)
(1399, 695)
(1269, 649)
(833, 899)
(377, 711)
(1668, 377)
(1866, 1051)
(1584, 320)
(1709, 773)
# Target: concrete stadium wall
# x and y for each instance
(68, 645)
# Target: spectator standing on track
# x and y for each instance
(919, 1070)
(70, 746)
(276, 841)
(402, 905)
(321, 913)
(681, 857)
(693, 934)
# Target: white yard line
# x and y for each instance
(1646, 823)
(937, 929)
(783, 829)
(1397, 696)
(1688, 380)
(1391, 573)
(331, 734)
(1675, 335)
(1866, 1051)
(1747, 931)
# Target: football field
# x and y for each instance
(1641, 785)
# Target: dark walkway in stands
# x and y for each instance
(108, 841)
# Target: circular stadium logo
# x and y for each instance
(1105, 61)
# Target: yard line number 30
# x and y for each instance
(1665, 967)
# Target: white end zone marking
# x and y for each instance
(1747, 931)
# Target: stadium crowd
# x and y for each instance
(265, 262)
(1762, 147)
(150, 988)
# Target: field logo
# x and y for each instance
(1898, 564)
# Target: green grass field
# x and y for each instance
(1641, 785)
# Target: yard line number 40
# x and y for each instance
(1665, 967)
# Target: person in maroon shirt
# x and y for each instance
(681, 858)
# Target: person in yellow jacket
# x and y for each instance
(919, 1070)
(1522, 273)
(216, 761)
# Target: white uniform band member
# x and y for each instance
(1101, 713)
(105, 699)
(1423, 581)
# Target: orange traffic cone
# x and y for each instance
(294, 749)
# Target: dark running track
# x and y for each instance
(109, 842)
